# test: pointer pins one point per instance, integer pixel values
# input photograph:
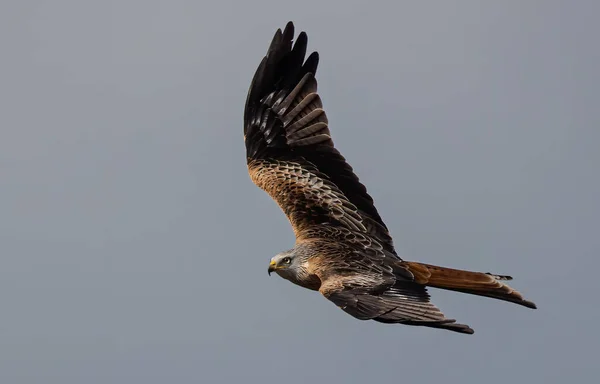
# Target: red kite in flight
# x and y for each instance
(343, 248)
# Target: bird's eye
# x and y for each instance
(286, 260)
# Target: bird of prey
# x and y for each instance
(343, 248)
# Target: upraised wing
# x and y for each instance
(289, 149)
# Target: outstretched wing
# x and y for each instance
(289, 149)
(405, 303)
(357, 276)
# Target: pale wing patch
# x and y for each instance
(303, 195)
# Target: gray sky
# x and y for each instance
(134, 246)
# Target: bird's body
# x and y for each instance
(343, 248)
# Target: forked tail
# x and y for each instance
(475, 283)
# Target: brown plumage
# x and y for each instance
(343, 248)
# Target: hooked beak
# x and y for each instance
(272, 266)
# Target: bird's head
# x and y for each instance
(283, 264)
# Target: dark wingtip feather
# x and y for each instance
(460, 328)
(277, 37)
(448, 324)
(312, 63)
(288, 31)
(528, 304)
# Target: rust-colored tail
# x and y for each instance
(475, 283)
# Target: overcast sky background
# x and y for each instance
(134, 246)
